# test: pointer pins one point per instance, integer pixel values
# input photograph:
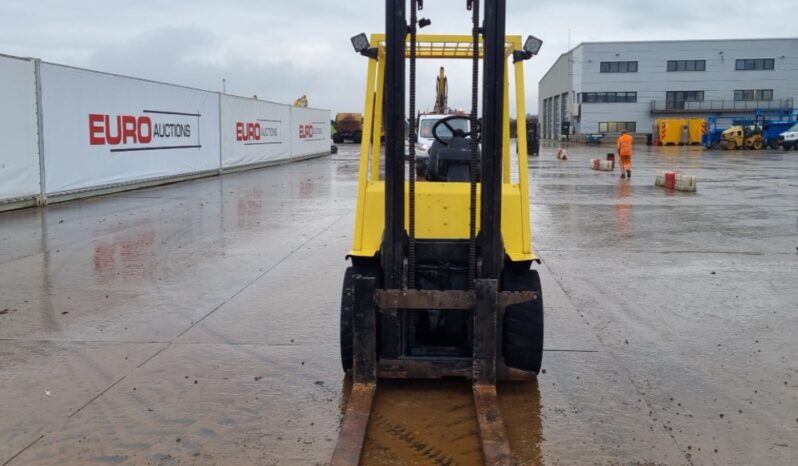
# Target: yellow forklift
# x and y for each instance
(441, 283)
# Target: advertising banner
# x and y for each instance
(19, 137)
(254, 131)
(102, 129)
(310, 131)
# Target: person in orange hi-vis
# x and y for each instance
(625, 144)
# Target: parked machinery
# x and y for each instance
(348, 126)
(441, 93)
(743, 137)
(301, 102)
(532, 136)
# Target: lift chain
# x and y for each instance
(472, 221)
(411, 244)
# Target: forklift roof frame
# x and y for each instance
(367, 238)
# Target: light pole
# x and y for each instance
(224, 86)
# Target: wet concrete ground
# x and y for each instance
(197, 323)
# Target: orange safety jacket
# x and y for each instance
(625, 143)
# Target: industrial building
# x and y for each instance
(606, 87)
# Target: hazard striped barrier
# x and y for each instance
(602, 165)
(676, 181)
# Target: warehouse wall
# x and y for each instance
(652, 80)
(101, 132)
(557, 81)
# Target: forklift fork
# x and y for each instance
(364, 375)
(487, 304)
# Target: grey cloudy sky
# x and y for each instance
(280, 49)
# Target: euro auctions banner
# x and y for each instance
(310, 129)
(102, 129)
(19, 141)
(254, 131)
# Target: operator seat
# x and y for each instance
(451, 162)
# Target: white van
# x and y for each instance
(425, 124)
(789, 138)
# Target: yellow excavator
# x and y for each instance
(301, 102)
(441, 93)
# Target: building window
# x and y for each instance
(675, 100)
(687, 65)
(746, 64)
(753, 94)
(618, 67)
(608, 97)
(617, 126)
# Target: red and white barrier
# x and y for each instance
(676, 181)
(602, 165)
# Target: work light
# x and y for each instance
(532, 45)
(360, 42)
(531, 48)
(362, 46)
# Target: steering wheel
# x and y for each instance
(455, 131)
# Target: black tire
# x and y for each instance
(348, 310)
(715, 145)
(337, 138)
(774, 144)
(421, 166)
(522, 336)
(357, 137)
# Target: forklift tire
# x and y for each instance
(774, 144)
(348, 311)
(757, 145)
(716, 145)
(522, 328)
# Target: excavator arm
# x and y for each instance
(442, 93)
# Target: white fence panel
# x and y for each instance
(254, 131)
(310, 131)
(104, 130)
(19, 136)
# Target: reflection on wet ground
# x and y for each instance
(197, 323)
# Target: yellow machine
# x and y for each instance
(301, 102)
(441, 93)
(441, 282)
(441, 207)
(742, 137)
(681, 131)
(348, 126)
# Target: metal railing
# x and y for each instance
(718, 106)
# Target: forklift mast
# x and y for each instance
(393, 249)
(490, 252)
